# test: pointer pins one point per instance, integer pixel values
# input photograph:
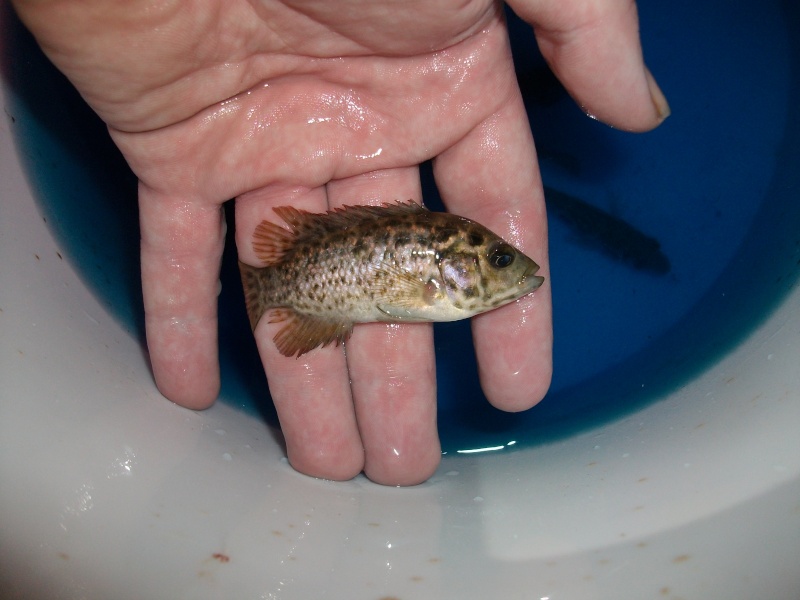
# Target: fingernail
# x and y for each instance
(659, 100)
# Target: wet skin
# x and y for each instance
(299, 103)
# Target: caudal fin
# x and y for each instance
(253, 296)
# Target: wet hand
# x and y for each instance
(320, 104)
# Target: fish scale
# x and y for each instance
(392, 263)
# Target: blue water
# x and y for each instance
(717, 185)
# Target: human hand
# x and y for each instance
(319, 104)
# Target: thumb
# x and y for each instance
(593, 47)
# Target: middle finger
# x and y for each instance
(311, 393)
(392, 367)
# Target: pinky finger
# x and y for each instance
(181, 249)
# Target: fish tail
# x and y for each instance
(253, 283)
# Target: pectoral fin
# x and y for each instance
(407, 297)
(302, 333)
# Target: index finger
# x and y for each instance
(492, 176)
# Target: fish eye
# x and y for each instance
(501, 256)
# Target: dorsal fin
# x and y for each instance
(271, 242)
(306, 224)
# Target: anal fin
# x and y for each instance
(302, 333)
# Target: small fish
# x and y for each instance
(397, 263)
(610, 235)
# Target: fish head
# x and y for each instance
(481, 271)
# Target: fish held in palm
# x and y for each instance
(397, 263)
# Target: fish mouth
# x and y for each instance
(528, 280)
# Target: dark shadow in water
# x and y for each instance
(243, 377)
(86, 190)
(608, 234)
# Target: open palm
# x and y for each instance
(318, 104)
